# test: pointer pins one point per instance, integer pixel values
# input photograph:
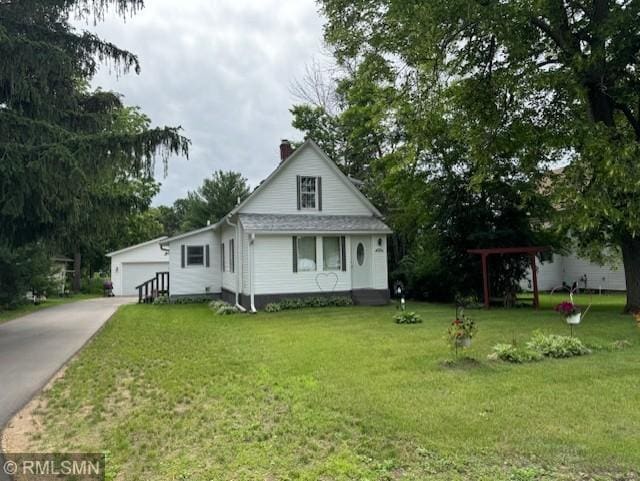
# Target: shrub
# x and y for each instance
(93, 285)
(223, 308)
(302, 302)
(553, 345)
(515, 354)
(161, 300)
(217, 304)
(21, 270)
(227, 309)
(273, 307)
(190, 300)
(406, 317)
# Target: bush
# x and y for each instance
(227, 309)
(223, 308)
(21, 270)
(302, 302)
(217, 304)
(553, 345)
(190, 300)
(161, 300)
(93, 285)
(406, 317)
(511, 353)
(273, 307)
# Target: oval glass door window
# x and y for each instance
(360, 254)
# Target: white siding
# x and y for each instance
(274, 269)
(279, 196)
(549, 274)
(380, 275)
(245, 261)
(597, 277)
(195, 279)
(571, 268)
(147, 254)
(228, 277)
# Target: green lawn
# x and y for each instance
(176, 392)
(8, 315)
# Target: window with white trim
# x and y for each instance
(308, 192)
(195, 255)
(306, 254)
(331, 254)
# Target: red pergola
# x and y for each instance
(530, 251)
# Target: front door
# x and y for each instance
(360, 262)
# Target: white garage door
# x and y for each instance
(135, 273)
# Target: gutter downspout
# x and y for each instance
(235, 266)
(251, 269)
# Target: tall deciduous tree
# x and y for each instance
(570, 72)
(213, 199)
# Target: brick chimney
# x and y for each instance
(285, 149)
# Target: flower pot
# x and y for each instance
(573, 318)
(463, 341)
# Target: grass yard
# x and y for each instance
(8, 315)
(176, 392)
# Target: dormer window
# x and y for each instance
(309, 192)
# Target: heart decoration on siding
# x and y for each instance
(327, 281)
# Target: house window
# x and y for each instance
(307, 192)
(360, 253)
(332, 253)
(232, 256)
(222, 259)
(306, 254)
(195, 255)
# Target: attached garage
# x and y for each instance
(136, 264)
(135, 273)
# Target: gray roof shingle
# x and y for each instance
(312, 223)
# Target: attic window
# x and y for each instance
(307, 192)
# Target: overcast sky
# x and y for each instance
(222, 69)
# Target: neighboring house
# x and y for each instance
(306, 230)
(555, 270)
(61, 268)
(134, 265)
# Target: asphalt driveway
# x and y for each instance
(34, 347)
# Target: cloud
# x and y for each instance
(220, 69)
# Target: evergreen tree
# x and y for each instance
(63, 151)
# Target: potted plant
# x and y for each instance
(461, 332)
(571, 312)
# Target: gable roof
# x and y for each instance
(166, 240)
(142, 244)
(309, 144)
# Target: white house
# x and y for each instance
(136, 264)
(306, 230)
(556, 270)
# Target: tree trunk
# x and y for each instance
(631, 259)
(77, 263)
